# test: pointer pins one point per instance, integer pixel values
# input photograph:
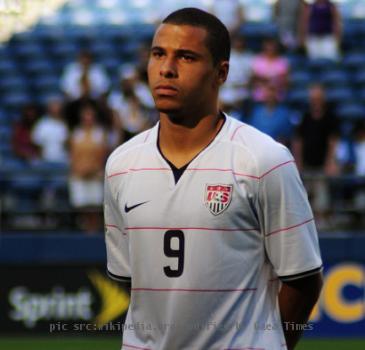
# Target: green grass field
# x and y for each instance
(112, 343)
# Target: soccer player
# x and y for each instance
(206, 216)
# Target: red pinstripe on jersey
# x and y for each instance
(289, 228)
(189, 290)
(147, 136)
(249, 348)
(138, 228)
(234, 132)
(206, 169)
(134, 347)
(113, 226)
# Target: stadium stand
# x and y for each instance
(113, 31)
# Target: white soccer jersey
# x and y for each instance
(206, 254)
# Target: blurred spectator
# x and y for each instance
(73, 107)
(50, 133)
(273, 118)
(230, 12)
(84, 75)
(269, 67)
(320, 25)
(130, 113)
(235, 89)
(23, 146)
(359, 146)
(287, 14)
(314, 148)
(88, 147)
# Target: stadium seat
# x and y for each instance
(351, 111)
(297, 98)
(46, 83)
(354, 60)
(39, 66)
(300, 78)
(5, 134)
(358, 78)
(339, 94)
(334, 78)
(15, 100)
(321, 65)
(12, 83)
(29, 51)
(7, 66)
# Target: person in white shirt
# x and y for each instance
(207, 216)
(235, 90)
(50, 133)
(84, 72)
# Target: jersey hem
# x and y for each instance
(118, 278)
(301, 275)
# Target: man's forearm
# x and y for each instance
(296, 301)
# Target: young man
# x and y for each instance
(205, 215)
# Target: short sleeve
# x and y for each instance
(117, 243)
(287, 222)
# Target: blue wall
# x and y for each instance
(339, 313)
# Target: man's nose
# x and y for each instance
(168, 68)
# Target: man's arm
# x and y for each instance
(296, 301)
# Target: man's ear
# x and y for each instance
(223, 69)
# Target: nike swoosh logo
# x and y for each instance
(128, 209)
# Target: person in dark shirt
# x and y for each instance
(314, 148)
(22, 144)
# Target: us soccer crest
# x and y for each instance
(218, 197)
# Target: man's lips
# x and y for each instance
(166, 90)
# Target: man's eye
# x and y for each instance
(188, 58)
(157, 54)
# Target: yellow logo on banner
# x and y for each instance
(114, 299)
(332, 300)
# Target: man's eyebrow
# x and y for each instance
(188, 52)
(157, 48)
(178, 51)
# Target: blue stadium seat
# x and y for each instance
(13, 83)
(27, 50)
(11, 163)
(301, 78)
(362, 94)
(46, 83)
(7, 66)
(358, 78)
(298, 62)
(102, 49)
(5, 133)
(354, 60)
(6, 150)
(64, 49)
(297, 98)
(334, 78)
(15, 100)
(39, 66)
(351, 111)
(339, 94)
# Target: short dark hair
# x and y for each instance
(218, 40)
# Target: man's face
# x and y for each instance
(181, 73)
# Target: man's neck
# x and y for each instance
(181, 143)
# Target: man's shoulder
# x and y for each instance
(264, 150)
(128, 149)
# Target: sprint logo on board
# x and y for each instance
(30, 307)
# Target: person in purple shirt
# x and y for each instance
(320, 30)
